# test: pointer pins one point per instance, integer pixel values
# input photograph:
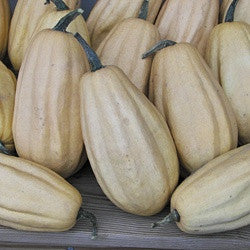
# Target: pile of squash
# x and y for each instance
(164, 92)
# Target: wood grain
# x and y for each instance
(120, 229)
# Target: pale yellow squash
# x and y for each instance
(46, 125)
(188, 21)
(128, 143)
(7, 98)
(107, 13)
(216, 197)
(228, 55)
(187, 94)
(34, 198)
(50, 19)
(125, 44)
(23, 23)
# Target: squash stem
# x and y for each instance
(160, 45)
(144, 10)
(6, 151)
(94, 61)
(83, 214)
(60, 4)
(230, 13)
(64, 22)
(172, 217)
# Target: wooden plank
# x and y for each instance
(120, 229)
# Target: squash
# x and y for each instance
(50, 19)
(228, 55)
(188, 21)
(216, 197)
(106, 14)
(34, 198)
(7, 98)
(241, 13)
(128, 143)
(4, 26)
(189, 97)
(23, 23)
(124, 45)
(46, 124)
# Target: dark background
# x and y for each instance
(86, 5)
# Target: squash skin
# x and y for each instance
(194, 105)
(106, 14)
(46, 124)
(230, 62)
(7, 99)
(50, 19)
(128, 143)
(216, 197)
(4, 26)
(38, 199)
(241, 13)
(127, 41)
(23, 23)
(188, 21)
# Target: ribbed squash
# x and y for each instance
(4, 26)
(216, 197)
(46, 125)
(23, 23)
(128, 143)
(242, 10)
(228, 55)
(50, 19)
(35, 198)
(188, 21)
(7, 98)
(185, 91)
(106, 14)
(125, 44)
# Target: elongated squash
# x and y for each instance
(188, 21)
(23, 23)
(7, 98)
(106, 14)
(46, 125)
(34, 198)
(125, 44)
(50, 19)
(187, 94)
(128, 143)
(216, 197)
(228, 55)
(4, 26)
(242, 10)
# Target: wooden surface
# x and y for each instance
(120, 229)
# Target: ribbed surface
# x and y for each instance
(198, 113)
(7, 98)
(128, 143)
(124, 46)
(23, 23)
(38, 199)
(188, 21)
(46, 124)
(4, 25)
(216, 197)
(49, 20)
(228, 54)
(241, 13)
(106, 14)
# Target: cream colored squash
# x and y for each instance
(128, 143)
(216, 197)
